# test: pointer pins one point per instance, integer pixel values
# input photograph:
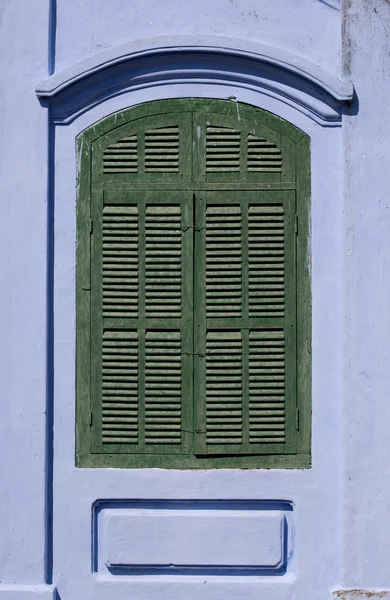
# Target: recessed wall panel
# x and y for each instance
(192, 537)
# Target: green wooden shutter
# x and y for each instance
(192, 349)
(142, 342)
(234, 149)
(245, 319)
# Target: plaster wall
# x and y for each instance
(23, 226)
(309, 28)
(351, 287)
(313, 568)
(366, 254)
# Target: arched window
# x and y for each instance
(193, 288)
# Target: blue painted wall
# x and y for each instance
(340, 506)
(307, 27)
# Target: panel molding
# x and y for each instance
(28, 592)
(196, 60)
(122, 530)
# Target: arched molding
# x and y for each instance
(332, 3)
(196, 59)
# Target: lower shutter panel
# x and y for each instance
(225, 401)
(144, 374)
(163, 388)
(247, 405)
(224, 388)
(267, 387)
(120, 387)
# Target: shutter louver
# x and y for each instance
(162, 150)
(263, 156)
(120, 387)
(163, 388)
(223, 261)
(120, 261)
(266, 387)
(224, 388)
(163, 261)
(122, 157)
(266, 261)
(223, 149)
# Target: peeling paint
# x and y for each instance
(361, 594)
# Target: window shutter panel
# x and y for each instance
(122, 157)
(152, 149)
(245, 298)
(142, 348)
(237, 150)
(231, 151)
(162, 150)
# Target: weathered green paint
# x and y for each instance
(174, 216)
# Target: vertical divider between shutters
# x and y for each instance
(187, 322)
(185, 150)
(245, 323)
(199, 327)
(199, 147)
(244, 156)
(141, 327)
(141, 152)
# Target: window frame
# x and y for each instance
(300, 459)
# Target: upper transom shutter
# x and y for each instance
(155, 148)
(245, 322)
(233, 149)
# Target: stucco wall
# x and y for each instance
(23, 226)
(38, 38)
(307, 27)
(366, 254)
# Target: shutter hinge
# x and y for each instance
(90, 226)
(90, 418)
(296, 224)
(297, 418)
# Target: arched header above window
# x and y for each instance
(197, 60)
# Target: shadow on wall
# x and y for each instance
(352, 108)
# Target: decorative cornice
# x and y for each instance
(196, 59)
(27, 592)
